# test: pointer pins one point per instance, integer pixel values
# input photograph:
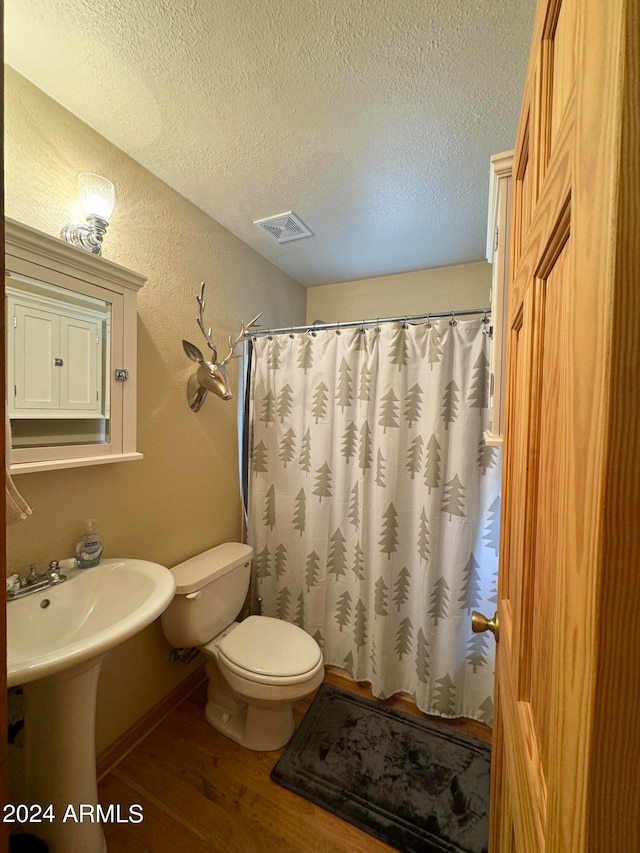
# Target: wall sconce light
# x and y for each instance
(97, 195)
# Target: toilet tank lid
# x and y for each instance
(203, 568)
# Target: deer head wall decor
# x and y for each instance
(210, 376)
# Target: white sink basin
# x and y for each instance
(90, 613)
(56, 641)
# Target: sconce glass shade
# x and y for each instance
(97, 194)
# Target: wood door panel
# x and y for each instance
(523, 195)
(542, 583)
(512, 525)
(521, 750)
(548, 219)
(561, 37)
(566, 775)
(526, 810)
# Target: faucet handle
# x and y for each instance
(13, 582)
(53, 572)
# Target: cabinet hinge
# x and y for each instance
(496, 236)
(121, 374)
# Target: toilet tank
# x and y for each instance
(210, 591)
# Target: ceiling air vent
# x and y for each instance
(284, 227)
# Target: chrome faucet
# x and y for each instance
(34, 581)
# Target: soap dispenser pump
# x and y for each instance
(89, 548)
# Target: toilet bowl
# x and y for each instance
(254, 678)
(256, 668)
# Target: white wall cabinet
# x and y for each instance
(498, 256)
(71, 323)
(54, 357)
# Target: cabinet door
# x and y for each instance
(36, 342)
(80, 350)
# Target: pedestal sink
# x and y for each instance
(56, 641)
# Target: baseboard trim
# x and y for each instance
(122, 746)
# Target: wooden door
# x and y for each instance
(566, 764)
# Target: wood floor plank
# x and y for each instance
(224, 794)
(158, 830)
(201, 791)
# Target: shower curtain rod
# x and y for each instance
(404, 318)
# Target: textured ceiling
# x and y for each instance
(373, 120)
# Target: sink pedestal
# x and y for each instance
(60, 714)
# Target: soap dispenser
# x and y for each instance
(89, 548)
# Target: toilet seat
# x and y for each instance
(270, 651)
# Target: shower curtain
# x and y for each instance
(374, 503)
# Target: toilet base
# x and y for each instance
(259, 729)
(260, 726)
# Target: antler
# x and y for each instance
(243, 331)
(205, 332)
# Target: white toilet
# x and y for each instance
(257, 667)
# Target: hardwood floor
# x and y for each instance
(202, 793)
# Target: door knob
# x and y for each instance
(480, 623)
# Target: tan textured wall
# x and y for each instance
(183, 497)
(441, 289)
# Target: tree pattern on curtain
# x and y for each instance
(374, 504)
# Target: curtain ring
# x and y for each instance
(338, 332)
(453, 321)
(378, 325)
(428, 323)
(485, 318)
(405, 325)
(291, 335)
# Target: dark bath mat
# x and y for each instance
(414, 785)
